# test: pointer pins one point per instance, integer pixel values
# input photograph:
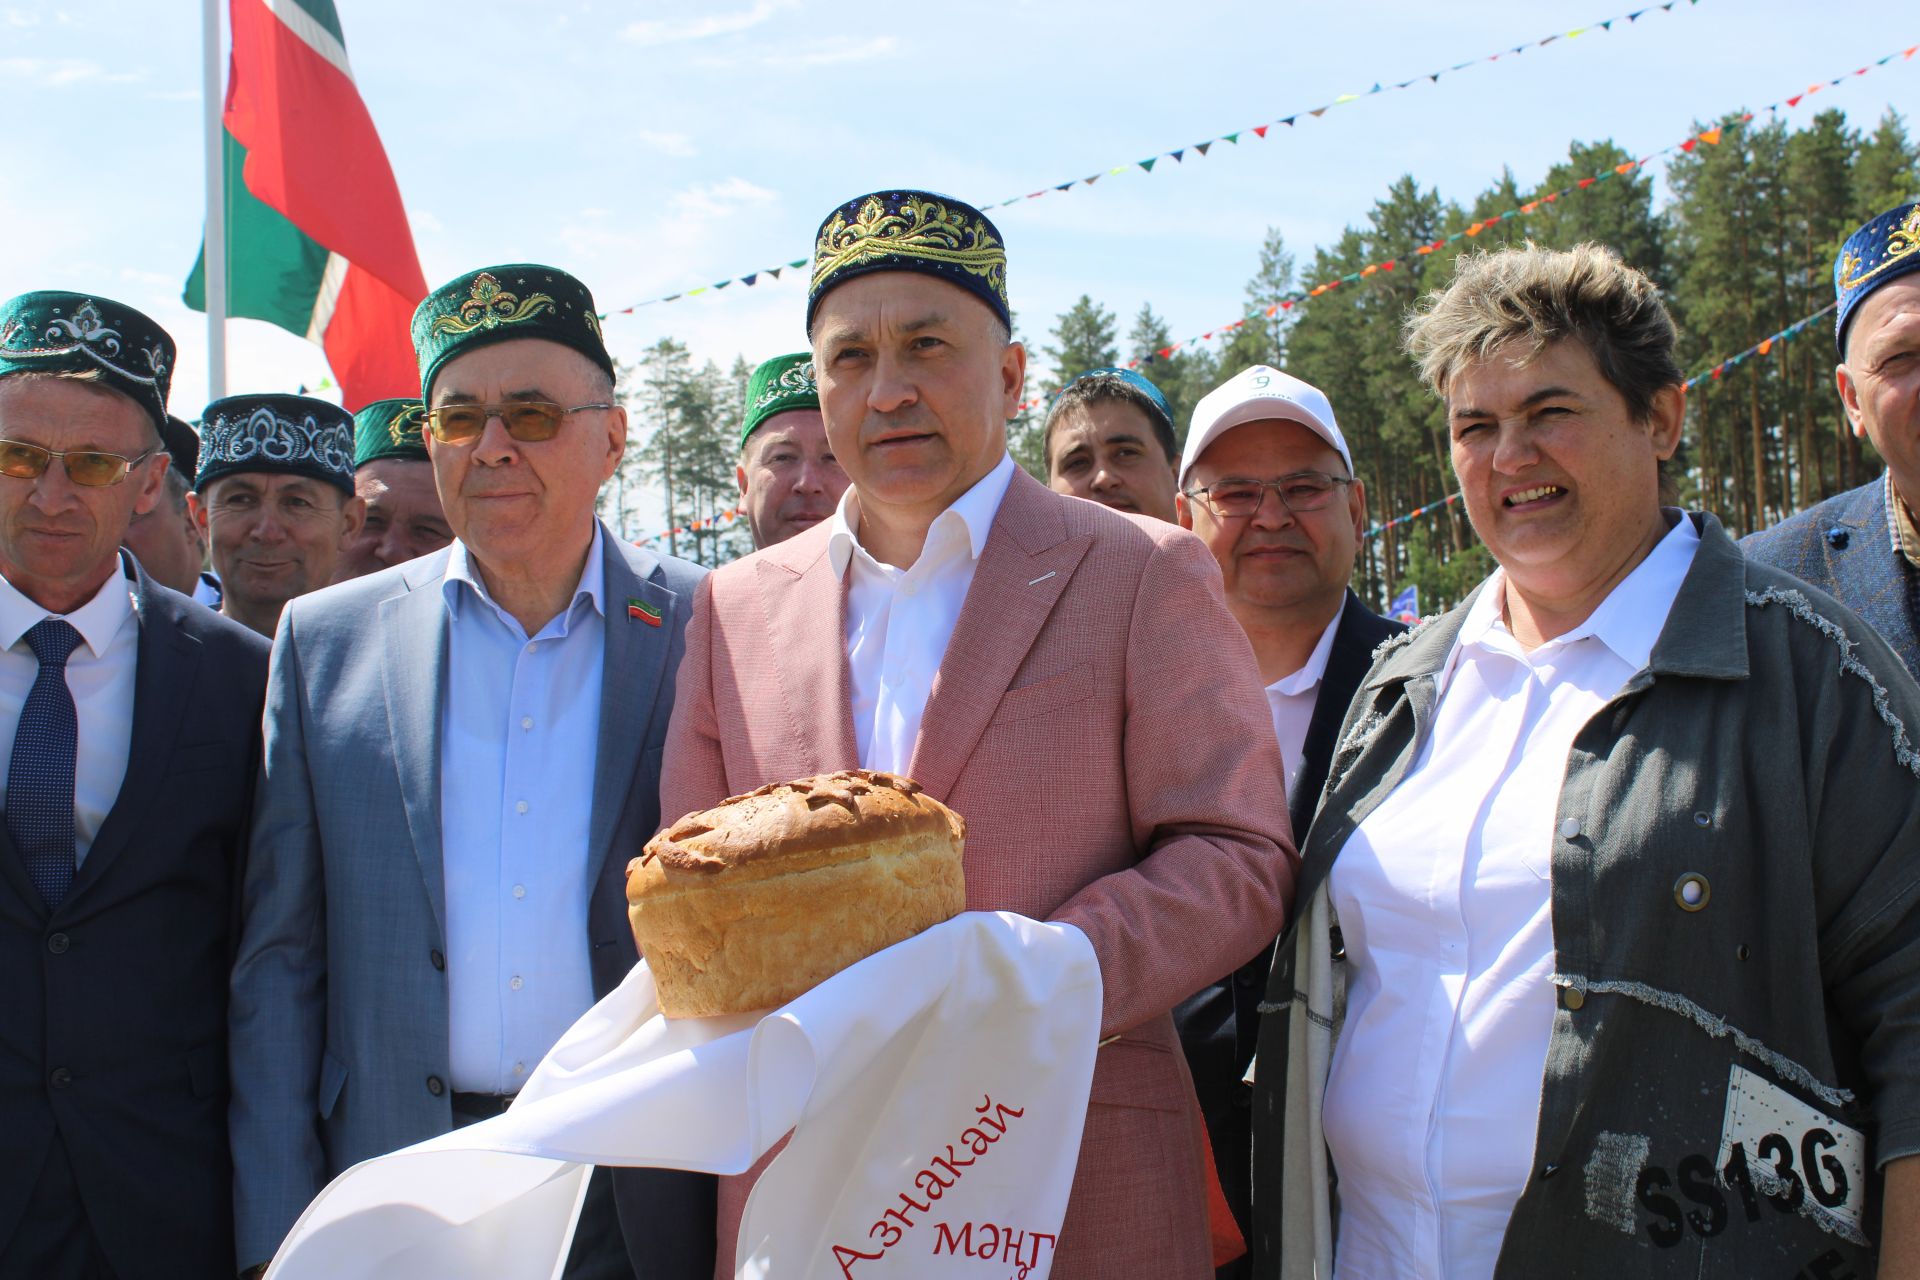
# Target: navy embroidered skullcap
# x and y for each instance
(1885, 249)
(279, 434)
(49, 331)
(183, 447)
(920, 231)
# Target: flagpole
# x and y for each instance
(216, 246)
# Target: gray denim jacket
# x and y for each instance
(1736, 920)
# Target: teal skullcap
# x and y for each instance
(781, 384)
(49, 331)
(277, 434)
(389, 429)
(520, 300)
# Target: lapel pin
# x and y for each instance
(1043, 577)
(647, 613)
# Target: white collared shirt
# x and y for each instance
(900, 620)
(1292, 700)
(1444, 896)
(100, 675)
(520, 729)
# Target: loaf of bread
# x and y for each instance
(764, 896)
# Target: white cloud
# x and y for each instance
(656, 31)
(717, 199)
(829, 52)
(60, 73)
(833, 51)
(22, 18)
(678, 145)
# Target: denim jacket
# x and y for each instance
(1735, 866)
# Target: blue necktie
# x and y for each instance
(40, 774)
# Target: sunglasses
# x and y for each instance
(87, 467)
(528, 421)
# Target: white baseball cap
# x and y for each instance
(1256, 395)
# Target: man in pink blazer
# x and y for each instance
(1066, 677)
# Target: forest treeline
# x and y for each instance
(1741, 236)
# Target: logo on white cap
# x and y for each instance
(1260, 394)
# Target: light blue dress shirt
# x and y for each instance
(519, 726)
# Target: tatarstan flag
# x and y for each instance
(317, 239)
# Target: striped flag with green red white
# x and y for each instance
(317, 237)
(641, 611)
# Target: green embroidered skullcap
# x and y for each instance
(278, 434)
(389, 429)
(782, 383)
(919, 231)
(48, 331)
(521, 300)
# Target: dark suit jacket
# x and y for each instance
(1220, 1024)
(1844, 546)
(113, 1010)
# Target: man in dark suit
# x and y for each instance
(1267, 482)
(130, 719)
(1863, 547)
(462, 754)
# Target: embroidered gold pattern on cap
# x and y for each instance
(488, 306)
(1902, 242)
(925, 229)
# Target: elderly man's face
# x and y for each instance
(274, 537)
(166, 540)
(1277, 558)
(789, 478)
(1560, 482)
(404, 520)
(1880, 380)
(1107, 451)
(58, 540)
(526, 505)
(917, 381)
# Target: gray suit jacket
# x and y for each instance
(1844, 546)
(340, 1042)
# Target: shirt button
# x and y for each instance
(533, 646)
(1570, 828)
(519, 891)
(58, 944)
(521, 807)
(436, 1086)
(519, 1068)
(526, 722)
(515, 983)
(438, 960)
(1572, 997)
(62, 1078)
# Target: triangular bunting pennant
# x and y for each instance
(1260, 130)
(1148, 164)
(1317, 112)
(1177, 154)
(748, 280)
(775, 271)
(1202, 147)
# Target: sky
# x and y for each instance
(649, 148)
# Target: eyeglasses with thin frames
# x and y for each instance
(528, 421)
(90, 468)
(1301, 492)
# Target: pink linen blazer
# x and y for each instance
(1098, 720)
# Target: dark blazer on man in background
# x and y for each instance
(1220, 1024)
(113, 1006)
(1844, 546)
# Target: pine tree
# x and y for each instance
(1183, 376)
(1085, 338)
(1887, 171)
(1262, 339)
(1617, 212)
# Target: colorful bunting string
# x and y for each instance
(719, 520)
(1711, 137)
(1259, 131)
(1763, 347)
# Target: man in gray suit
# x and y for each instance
(462, 753)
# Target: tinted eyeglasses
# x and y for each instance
(87, 467)
(1303, 491)
(528, 421)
